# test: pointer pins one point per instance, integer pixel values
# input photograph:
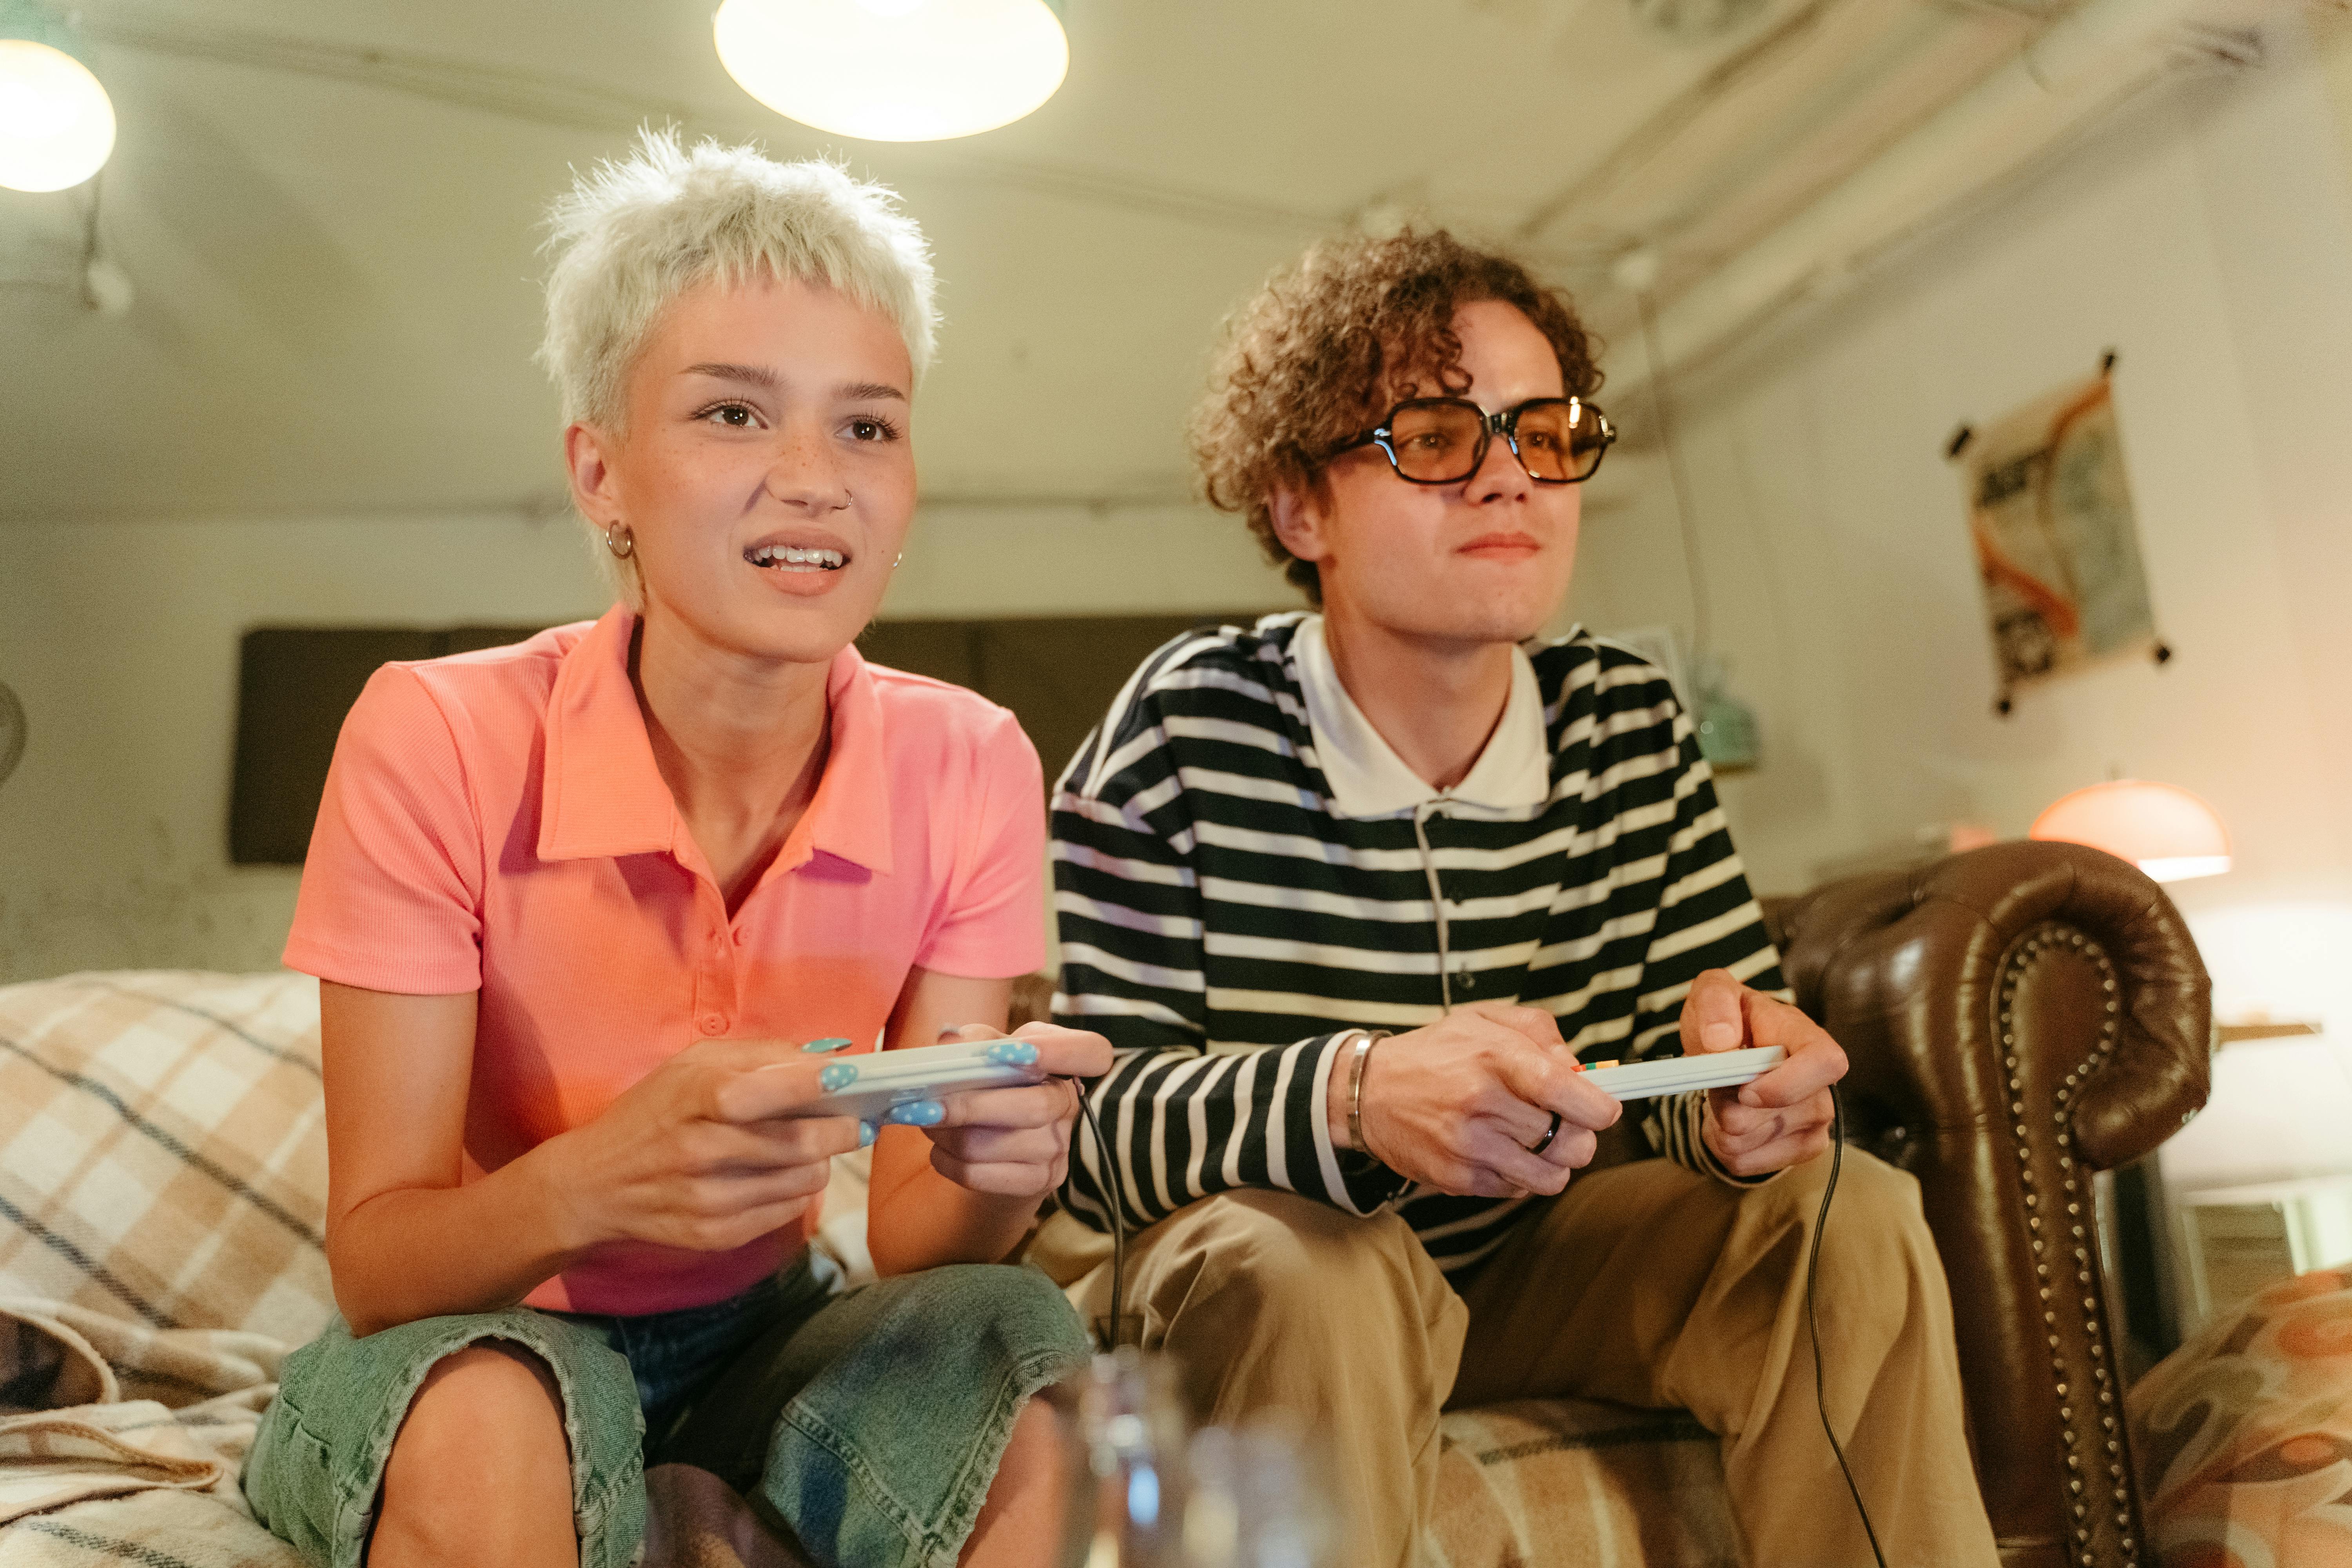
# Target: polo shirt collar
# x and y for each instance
(603, 795)
(850, 817)
(1366, 776)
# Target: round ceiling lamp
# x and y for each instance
(895, 70)
(2165, 831)
(57, 125)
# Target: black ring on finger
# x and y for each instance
(1550, 1133)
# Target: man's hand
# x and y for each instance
(1457, 1105)
(1784, 1118)
(1015, 1141)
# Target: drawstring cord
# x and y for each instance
(1421, 813)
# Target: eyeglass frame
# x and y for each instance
(1503, 421)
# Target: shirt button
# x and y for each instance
(712, 1024)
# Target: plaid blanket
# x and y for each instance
(121, 1441)
(163, 1149)
(1573, 1483)
(162, 1192)
(163, 1188)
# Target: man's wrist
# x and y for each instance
(1344, 1101)
(1336, 1094)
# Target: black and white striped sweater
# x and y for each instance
(1225, 921)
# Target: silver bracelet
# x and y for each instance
(1365, 1040)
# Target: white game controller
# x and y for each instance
(874, 1086)
(1715, 1069)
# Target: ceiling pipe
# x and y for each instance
(2092, 58)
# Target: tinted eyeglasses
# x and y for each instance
(1442, 440)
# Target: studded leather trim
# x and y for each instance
(2058, 1225)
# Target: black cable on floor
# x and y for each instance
(1813, 1273)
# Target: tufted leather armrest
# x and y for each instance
(2018, 1018)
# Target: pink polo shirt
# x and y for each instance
(494, 822)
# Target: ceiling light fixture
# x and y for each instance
(2163, 829)
(895, 70)
(57, 125)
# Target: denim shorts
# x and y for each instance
(865, 1425)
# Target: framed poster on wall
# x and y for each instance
(2056, 538)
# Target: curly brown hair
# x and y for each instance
(1336, 340)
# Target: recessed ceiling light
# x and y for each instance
(57, 125)
(895, 70)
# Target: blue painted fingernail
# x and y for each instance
(837, 1075)
(1012, 1053)
(865, 1134)
(916, 1113)
(828, 1045)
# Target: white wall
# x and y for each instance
(2207, 238)
(121, 639)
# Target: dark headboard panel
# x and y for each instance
(294, 684)
(1056, 673)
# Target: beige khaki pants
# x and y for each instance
(1643, 1284)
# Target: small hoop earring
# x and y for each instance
(620, 541)
(898, 560)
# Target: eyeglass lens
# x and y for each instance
(1438, 443)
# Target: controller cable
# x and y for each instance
(1812, 1275)
(1813, 1272)
(1118, 1217)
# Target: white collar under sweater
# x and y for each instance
(1369, 779)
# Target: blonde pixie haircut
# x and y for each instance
(634, 233)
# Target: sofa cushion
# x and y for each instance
(2243, 1434)
(162, 1148)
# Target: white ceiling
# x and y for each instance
(327, 211)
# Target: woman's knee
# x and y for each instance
(1036, 1453)
(1027, 1506)
(1003, 1304)
(491, 1409)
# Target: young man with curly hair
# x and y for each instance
(1351, 891)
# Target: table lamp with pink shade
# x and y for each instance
(2164, 830)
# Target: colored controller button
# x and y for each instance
(827, 1047)
(1012, 1053)
(916, 1113)
(837, 1075)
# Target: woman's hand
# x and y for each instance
(1015, 1142)
(697, 1153)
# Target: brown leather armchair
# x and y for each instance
(2018, 1019)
